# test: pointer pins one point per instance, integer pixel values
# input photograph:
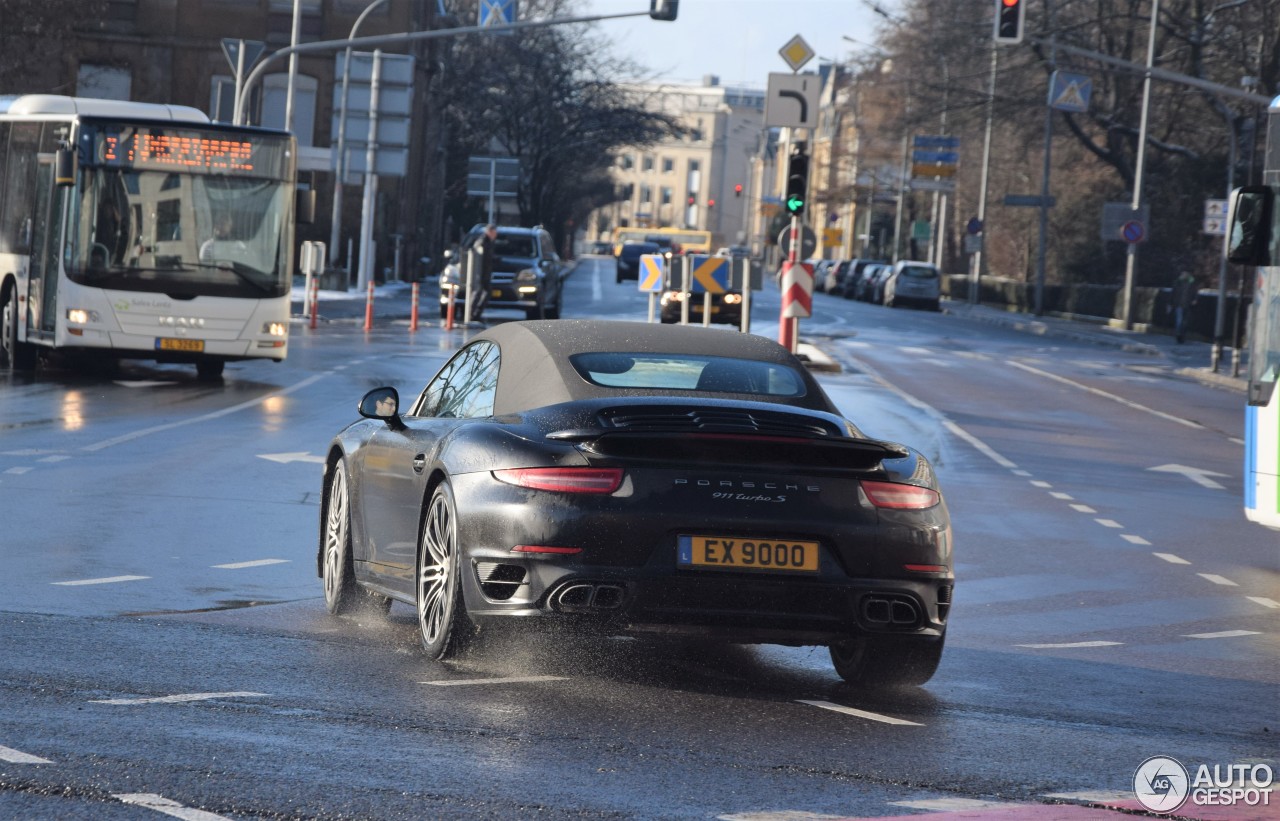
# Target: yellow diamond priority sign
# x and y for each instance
(796, 52)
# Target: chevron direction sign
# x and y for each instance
(797, 290)
(710, 275)
(651, 273)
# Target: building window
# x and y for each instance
(646, 163)
(626, 162)
(668, 165)
(666, 195)
(103, 82)
(646, 194)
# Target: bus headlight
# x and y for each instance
(81, 316)
(275, 329)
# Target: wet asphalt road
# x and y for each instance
(164, 638)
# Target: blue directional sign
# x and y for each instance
(710, 275)
(935, 141)
(652, 273)
(497, 12)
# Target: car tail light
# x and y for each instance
(900, 497)
(542, 548)
(563, 480)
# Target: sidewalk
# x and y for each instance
(1190, 359)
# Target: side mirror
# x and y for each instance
(382, 403)
(65, 166)
(305, 206)
(1249, 225)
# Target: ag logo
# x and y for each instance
(1161, 784)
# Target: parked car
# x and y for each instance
(853, 274)
(870, 286)
(628, 260)
(635, 479)
(528, 274)
(821, 269)
(914, 283)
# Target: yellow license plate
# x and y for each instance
(189, 345)
(496, 293)
(731, 553)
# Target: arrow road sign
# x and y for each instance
(651, 273)
(710, 275)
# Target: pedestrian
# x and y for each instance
(485, 247)
(1185, 294)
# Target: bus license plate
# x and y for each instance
(187, 345)
(722, 553)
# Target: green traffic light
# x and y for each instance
(795, 204)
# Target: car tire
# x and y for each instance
(886, 662)
(443, 623)
(342, 593)
(18, 356)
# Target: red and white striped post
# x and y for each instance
(797, 292)
(368, 309)
(413, 307)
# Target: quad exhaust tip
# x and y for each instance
(890, 611)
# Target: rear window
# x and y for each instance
(686, 372)
(920, 272)
(635, 249)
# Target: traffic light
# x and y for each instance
(1009, 20)
(663, 9)
(797, 180)
(737, 190)
(711, 203)
(692, 199)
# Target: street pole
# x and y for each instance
(240, 83)
(1131, 256)
(293, 65)
(370, 176)
(975, 277)
(1220, 311)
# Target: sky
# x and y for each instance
(737, 40)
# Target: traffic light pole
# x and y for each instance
(789, 326)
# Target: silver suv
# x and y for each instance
(528, 274)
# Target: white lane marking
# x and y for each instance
(143, 383)
(1225, 634)
(254, 563)
(1132, 539)
(954, 804)
(1057, 494)
(1106, 395)
(1071, 644)
(25, 452)
(167, 806)
(1216, 579)
(1111, 523)
(1198, 475)
(18, 757)
(1171, 558)
(62, 457)
(1265, 602)
(462, 682)
(981, 446)
(1083, 509)
(781, 815)
(286, 458)
(916, 351)
(827, 705)
(181, 698)
(107, 580)
(1041, 483)
(138, 434)
(18, 471)
(1023, 473)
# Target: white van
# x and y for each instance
(915, 283)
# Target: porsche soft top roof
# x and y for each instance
(536, 370)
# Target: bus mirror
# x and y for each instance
(306, 206)
(65, 166)
(1249, 225)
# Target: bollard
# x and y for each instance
(413, 308)
(368, 309)
(448, 314)
(314, 298)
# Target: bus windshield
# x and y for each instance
(181, 234)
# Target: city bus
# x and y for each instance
(1254, 239)
(687, 240)
(142, 231)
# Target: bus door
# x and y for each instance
(46, 233)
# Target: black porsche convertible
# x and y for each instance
(638, 479)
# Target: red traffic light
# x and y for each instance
(737, 190)
(692, 199)
(1009, 21)
(711, 203)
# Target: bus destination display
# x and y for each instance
(189, 151)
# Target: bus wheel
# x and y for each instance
(210, 370)
(20, 356)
